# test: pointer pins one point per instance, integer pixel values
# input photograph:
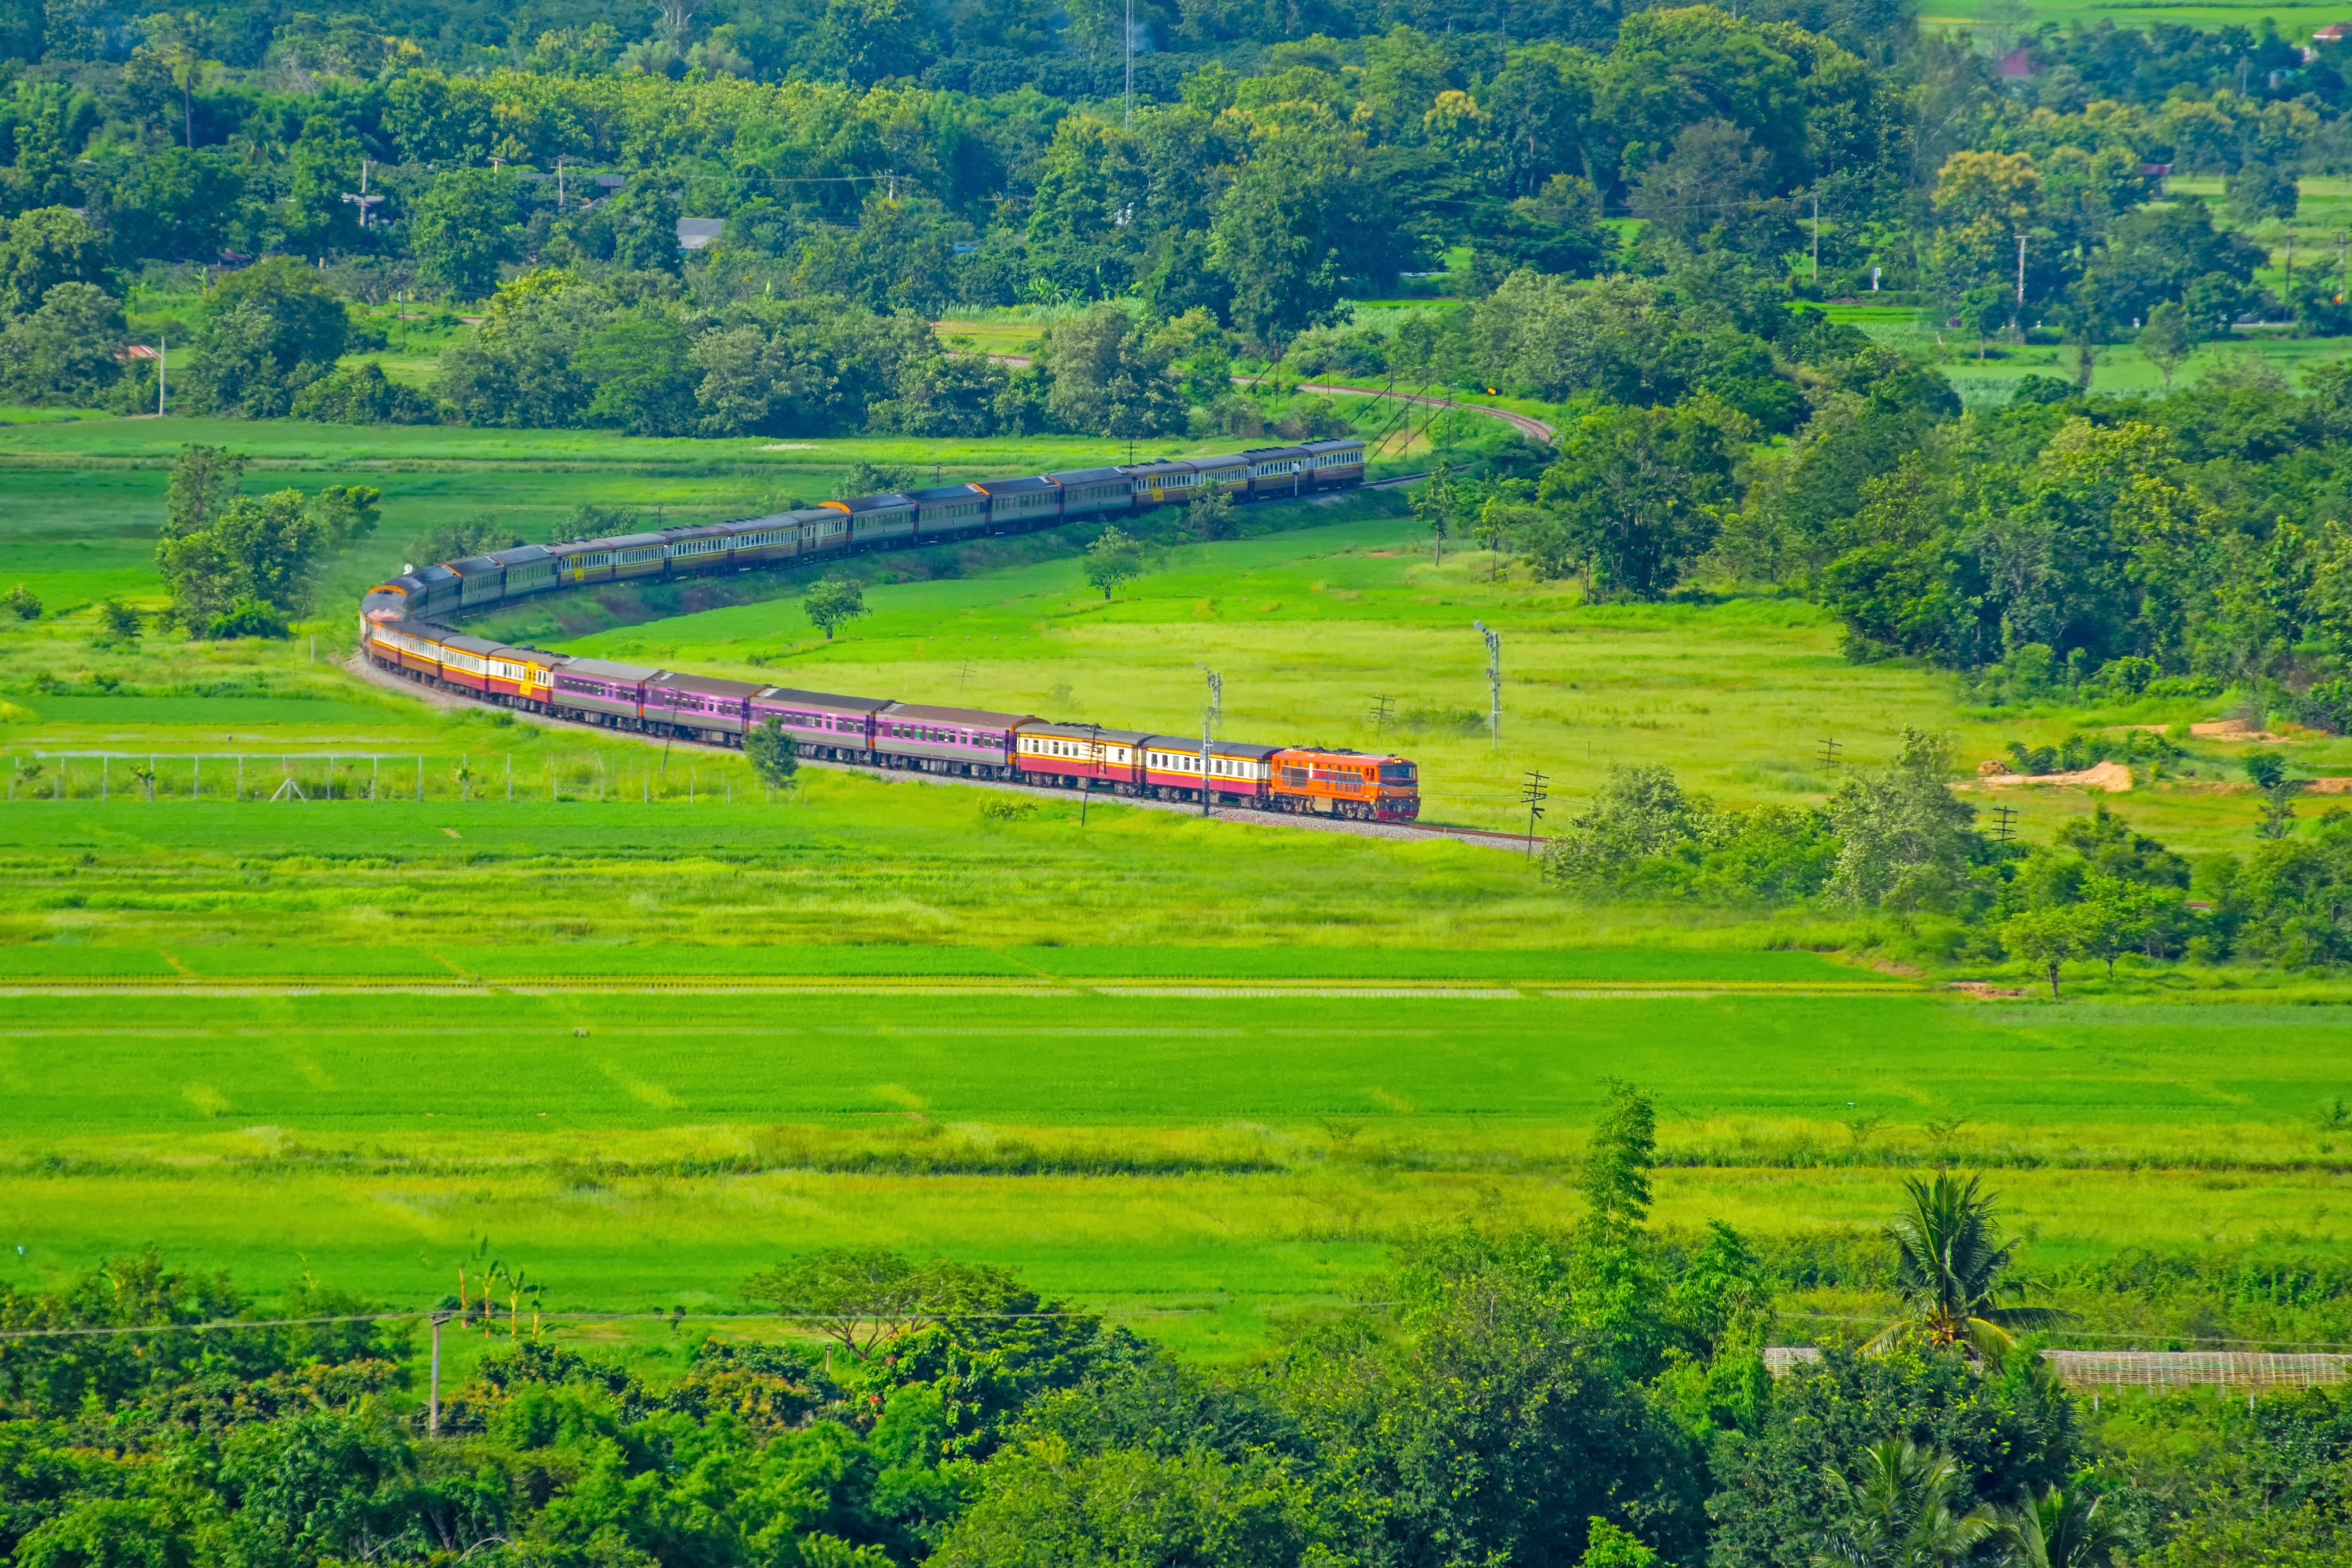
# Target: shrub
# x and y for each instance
(248, 618)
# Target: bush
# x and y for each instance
(248, 618)
(118, 622)
(2326, 707)
(1642, 834)
(771, 753)
(2138, 748)
(364, 395)
(24, 603)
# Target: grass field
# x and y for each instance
(2293, 21)
(80, 500)
(646, 1027)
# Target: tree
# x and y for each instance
(465, 227)
(1269, 241)
(1110, 378)
(1617, 1163)
(1211, 514)
(44, 248)
(2061, 1529)
(1042, 1503)
(179, 206)
(641, 367)
(1607, 1546)
(832, 602)
(270, 330)
(867, 1296)
(64, 353)
(1638, 492)
(2267, 772)
(247, 561)
(1984, 310)
(1638, 813)
(2045, 937)
(204, 480)
(23, 604)
(1112, 558)
(1434, 501)
(323, 167)
(1905, 841)
(1712, 191)
(1901, 1514)
(2262, 190)
(1949, 1263)
(774, 756)
(480, 532)
(2168, 339)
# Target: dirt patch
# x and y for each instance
(2113, 778)
(1987, 990)
(2234, 729)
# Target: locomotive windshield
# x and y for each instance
(1396, 773)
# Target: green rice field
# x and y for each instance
(366, 982)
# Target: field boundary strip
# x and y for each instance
(758, 986)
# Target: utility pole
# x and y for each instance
(1209, 717)
(1829, 754)
(1493, 679)
(432, 1398)
(2004, 826)
(1816, 237)
(2021, 282)
(162, 366)
(561, 159)
(1384, 709)
(363, 200)
(2341, 237)
(1532, 795)
(1088, 798)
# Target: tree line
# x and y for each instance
(1897, 840)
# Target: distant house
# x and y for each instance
(2018, 64)
(2334, 33)
(697, 233)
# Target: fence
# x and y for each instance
(2253, 1370)
(286, 776)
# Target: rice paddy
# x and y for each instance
(364, 982)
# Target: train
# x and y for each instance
(401, 630)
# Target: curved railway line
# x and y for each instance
(391, 667)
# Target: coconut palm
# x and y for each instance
(2061, 1530)
(1900, 1514)
(1949, 1263)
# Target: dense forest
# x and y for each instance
(1597, 1397)
(1631, 217)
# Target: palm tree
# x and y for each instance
(2060, 1531)
(1900, 1514)
(1950, 1259)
